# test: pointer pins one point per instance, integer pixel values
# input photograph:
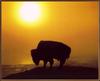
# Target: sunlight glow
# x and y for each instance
(30, 12)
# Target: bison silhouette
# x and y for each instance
(49, 50)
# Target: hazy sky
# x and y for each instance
(73, 23)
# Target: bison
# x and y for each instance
(49, 50)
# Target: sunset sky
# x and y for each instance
(24, 24)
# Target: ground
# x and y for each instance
(67, 72)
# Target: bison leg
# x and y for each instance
(51, 62)
(62, 63)
(45, 62)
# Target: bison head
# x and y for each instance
(35, 57)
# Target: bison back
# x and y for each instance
(52, 49)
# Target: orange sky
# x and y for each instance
(73, 23)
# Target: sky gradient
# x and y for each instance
(73, 23)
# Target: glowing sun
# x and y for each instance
(30, 12)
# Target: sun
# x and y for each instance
(30, 12)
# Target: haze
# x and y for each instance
(73, 23)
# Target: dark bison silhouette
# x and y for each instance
(49, 50)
